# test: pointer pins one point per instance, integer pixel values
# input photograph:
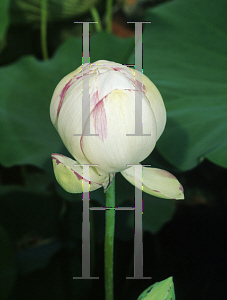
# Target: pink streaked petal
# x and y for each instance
(81, 145)
(66, 87)
(100, 120)
(141, 86)
(79, 77)
(59, 162)
(117, 69)
(62, 95)
(156, 182)
(94, 98)
(122, 70)
(55, 158)
(79, 176)
(65, 170)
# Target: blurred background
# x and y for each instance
(185, 55)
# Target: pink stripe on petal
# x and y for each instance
(139, 84)
(95, 98)
(78, 175)
(53, 155)
(62, 95)
(78, 77)
(117, 68)
(122, 71)
(57, 160)
(100, 121)
(81, 145)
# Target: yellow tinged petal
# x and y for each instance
(156, 182)
(113, 149)
(69, 174)
(153, 95)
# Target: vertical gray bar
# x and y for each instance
(85, 226)
(138, 79)
(85, 104)
(86, 46)
(85, 91)
(138, 235)
(86, 94)
(138, 246)
(138, 47)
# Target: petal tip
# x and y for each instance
(181, 193)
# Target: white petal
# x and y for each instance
(59, 95)
(69, 174)
(156, 182)
(114, 118)
(156, 102)
(66, 112)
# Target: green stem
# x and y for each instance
(44, 29)
(109, 16)
(96, 18)
(109, 241)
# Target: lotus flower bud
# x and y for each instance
(111, 145)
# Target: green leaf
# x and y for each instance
(30, 10)
(111, 47)
(4, 17)
(185, 55)
(163, 290)
(7, 265)
(27, 135)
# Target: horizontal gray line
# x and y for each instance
(85, 277)
(139, 277)
(113, 208)
(84, 22)
(139, 22)
(138, 165)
